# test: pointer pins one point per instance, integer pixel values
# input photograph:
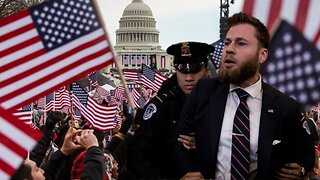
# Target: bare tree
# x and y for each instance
(8, 7)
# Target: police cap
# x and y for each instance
(190, 57)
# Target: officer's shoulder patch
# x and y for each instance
(150, 110)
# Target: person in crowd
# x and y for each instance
(244, 128)
(119, 150)
(74, 140)
(311, 127)
(315, 172)
(29, 171)
(78, 163)
(39, 153)
(111, 166)
(151, 152)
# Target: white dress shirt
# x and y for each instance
(223, 171)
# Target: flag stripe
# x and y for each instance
(33, 51)
(32, 78)
(74, 72)
(8, 20)
(10, 157)
(21, 53)
(56, 67)
(275, 7)
(261, 11)
(7, 142)
(67, 55)
(20, 137)
(317, 38)
(313, 21)
(248, 6)
(16, 37)
(23, 137)
(15, 40)
(7, 170)
(302, 14)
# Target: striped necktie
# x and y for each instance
(240, 154)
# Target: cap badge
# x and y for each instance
(185, 49)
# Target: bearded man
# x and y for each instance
(244, 128)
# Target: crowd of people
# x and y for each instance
(233, 126)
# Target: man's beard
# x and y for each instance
(239, 75)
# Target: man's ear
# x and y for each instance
(263, 55)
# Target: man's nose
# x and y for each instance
(189, 77)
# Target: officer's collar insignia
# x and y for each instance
(150, 110)
(185, 49)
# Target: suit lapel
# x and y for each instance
(268, 128)
(218, 102)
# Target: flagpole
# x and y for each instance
(114, 55)
(45, 110)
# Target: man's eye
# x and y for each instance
(241, 43)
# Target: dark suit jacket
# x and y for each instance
(280, 120)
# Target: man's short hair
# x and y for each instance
(24, 172)
(262, 33)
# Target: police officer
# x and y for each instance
(151, 154)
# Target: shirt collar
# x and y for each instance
(254, 90)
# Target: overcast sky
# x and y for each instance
(177, 20)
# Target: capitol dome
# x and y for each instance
(137, 8)
(137, 28)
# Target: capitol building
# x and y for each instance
(137, 41)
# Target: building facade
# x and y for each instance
(137, 41)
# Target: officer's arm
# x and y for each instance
(141, 152)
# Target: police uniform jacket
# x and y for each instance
(151, 153)
(280, 122)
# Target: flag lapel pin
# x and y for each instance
(270, 110)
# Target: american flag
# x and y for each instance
(163, 61)
(62, 100)
(40, 103)
(92, 77)
(119, 92)
(131, 75)
(16, 139)
(151, 78)
(76, 113)
(133, 60)
(125, 60)
(100, 116)
(303, 14)
(144, 59)
(80, 93)
(138, 59)
(101, 94)
(24, 114)
(118, 118)
(153, 61)
(47, 46)
(293, 65)
(49, 102)
(215, 57)
(135, 96)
